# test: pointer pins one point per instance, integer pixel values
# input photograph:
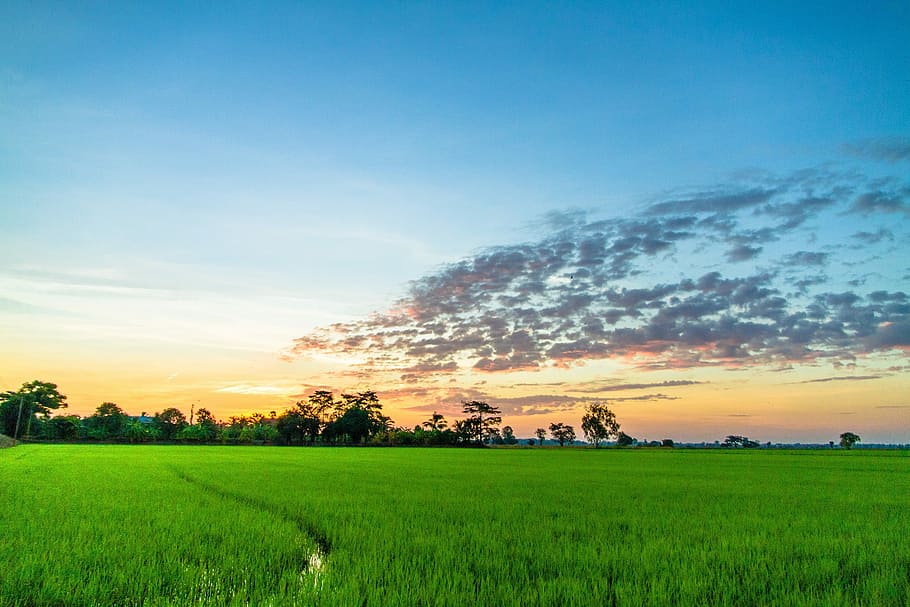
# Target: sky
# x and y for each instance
(697, 214)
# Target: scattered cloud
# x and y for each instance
(651, 290)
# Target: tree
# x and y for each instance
(139, 432)
(66, 427)
(541, 435)
(18, 409)
(301, 422)
(169, 422)
(107, 422)
(484, 418)
(624, 440)
(508, 436)
(322, 402)
(436, 423)
(667, 442)
(848, 439)
(355, 424)
(739, 441)
(204, 430)
(599, 423)
(465, 430)
(564, 433)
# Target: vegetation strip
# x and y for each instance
(306, 528)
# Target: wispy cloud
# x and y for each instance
(598, 388)
(842, 378)
(252, 389)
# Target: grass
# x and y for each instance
(122, 525)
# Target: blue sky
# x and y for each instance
(179, 181)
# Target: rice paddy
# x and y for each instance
(159, 525)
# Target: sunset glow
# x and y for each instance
(701, 217)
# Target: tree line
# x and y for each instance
(356, 418)
(320, 419)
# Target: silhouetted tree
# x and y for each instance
(300, 422)
(485, 418)
(563, 433)
(18, 409)
(436, 423)
(541, 435)
(848, 439)
(734, 440)
(599, 423)
(465, 430)
(169, 422)
(508, 436)
(322, 403)
(624, 440)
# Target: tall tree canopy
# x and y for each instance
(34, 398)
(484, 418)
(564, 433)
(599, 423)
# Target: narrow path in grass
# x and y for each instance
(314, 561)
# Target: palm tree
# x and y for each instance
(436, 423)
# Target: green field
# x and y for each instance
(155, 525)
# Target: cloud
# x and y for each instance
(890, 149)
(806, 258)
(651, 290)
(844, 378)
(869, 238)
(718, 201)
(252, 389)
(743, 252)
(881, 201)
(595, 388)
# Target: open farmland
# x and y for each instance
(122, 525)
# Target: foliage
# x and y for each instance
(599, 423)
(563, 433)
(483, 419)
(739, 441)
(624, 440)
(436, 423)
(19, 409)
(541, 434)
(107, 422)
(848, 439)
(169, 422)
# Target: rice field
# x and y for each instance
(164, 525)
